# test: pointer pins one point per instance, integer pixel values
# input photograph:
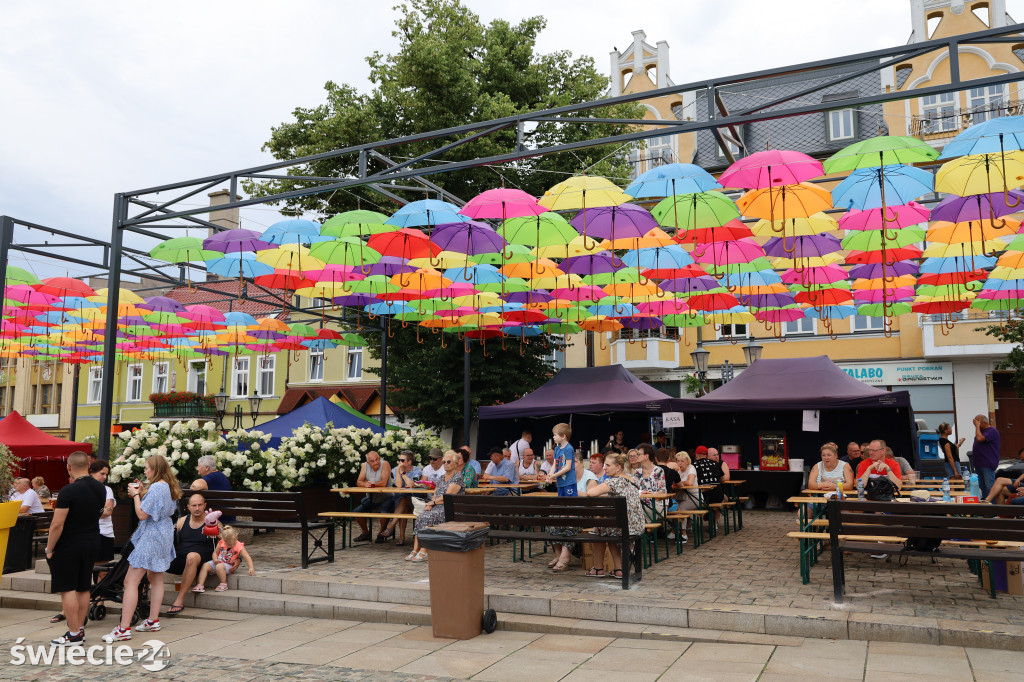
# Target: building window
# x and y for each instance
(3, 401)
(161, 371)
(841, 124)
(240, 378)
(355, 362)
(95, 390)
(316, 365)
(266, 368)
(805, 325)
(677, 111)
(659, 150)
(197, 376)
(986, 103)
(939, 112)
(732, 330)
(730, 143)
(46, 399)
(133, 393)
(865, 323)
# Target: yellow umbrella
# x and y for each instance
(556, 282)
(292, 257)
(972, 231)
(123, 296)
(580, 246)
(444, 259)
(882, 283)
(1006, 271)
(795, 227)
(480, 320)
(583, 191)
(653, 238)
(809, 262)
(731, 318)
(963, 249)
(325, 290)
(793, 201)
(484, 299)
(981, 174)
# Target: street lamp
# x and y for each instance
(752, 351)
(220, 403)
(700, 363)
(254, 406)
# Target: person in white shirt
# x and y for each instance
(519, 447)
(549, 461)
(528, 468)
(433, 471)
(23, 492)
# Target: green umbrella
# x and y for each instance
(345, 251)
(841, 284)
(546, 229)
(373, 285)
(183, 250)
(884, 150)
(997, 304)
(684, 320)
(299, 329)
(18, 276)
(695, 211)
(574, 314)
(352, 339)
(562, 328)
(513, 253)
(165, 318)
(358, 223)
(953, 290)
(620, 276)
(871, 240)
(878, 310)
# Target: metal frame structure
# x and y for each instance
(140, 212)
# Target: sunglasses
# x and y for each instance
(448, 461)
(403, 461)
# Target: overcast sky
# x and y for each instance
(106, 96)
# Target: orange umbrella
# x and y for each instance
(788, 201)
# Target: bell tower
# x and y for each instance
(636, 62)
(961, 16)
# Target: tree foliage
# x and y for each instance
(425, 380)
(1011, 332)
(451, 69)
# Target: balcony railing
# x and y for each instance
(182, 410)
(948, 125)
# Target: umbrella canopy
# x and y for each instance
(771, 168)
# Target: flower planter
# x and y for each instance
(185, 410)
(8, 518)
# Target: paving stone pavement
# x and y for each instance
(758, 565)
(256, 648)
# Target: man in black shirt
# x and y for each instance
(193, 550)
(73, 544)
(854, 455)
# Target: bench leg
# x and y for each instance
(330, 545)
(838, 573)
(305, 550)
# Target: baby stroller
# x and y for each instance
(111, 587)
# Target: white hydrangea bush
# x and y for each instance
(182, 443)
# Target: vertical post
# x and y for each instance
(362, 163)
(384, 370)
(74, 403)
(954, 62)
(465, 394)
(110, 331)
(6, 237)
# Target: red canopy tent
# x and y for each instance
(44, 455)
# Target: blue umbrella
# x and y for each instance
(239, 319)
(238, 264)
(831, 312)
(751, 279)
(943, 266)
(522, 331)
(668, 257)
(319, 344)
(388, 308)
(294, 231)
(477, 274)
(426, 212)
(672, 178)
(995, 135)
(863, 188)
(616, 310)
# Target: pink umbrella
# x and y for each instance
(672, 306)
(883, 295)
(501, 203)
(871, 219)
(336, 273)
(583, 292)
(728, 252)
(777, 315)
(814, 275)
(771, 168)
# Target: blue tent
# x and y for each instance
(318, 413)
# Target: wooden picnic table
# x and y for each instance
(412, 491)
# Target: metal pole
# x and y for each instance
(6, 237)
(74, 404)
(465, 395)
(386, 323)
(110, 331)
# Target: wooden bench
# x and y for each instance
(724, 508)
(275, 511)
(698, 517)
(345, 521)
(42, 534)
(509, 517)
(938, 520)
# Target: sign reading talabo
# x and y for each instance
(896, 373)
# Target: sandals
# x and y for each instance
(199, 589)
(421, 557)
(175, 610)
(59, 618)
(594, 573)
(617, 573)
(223, 587)
(411, 555)
(560, 567)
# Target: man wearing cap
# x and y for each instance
(433, 472)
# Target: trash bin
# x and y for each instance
(456, 569)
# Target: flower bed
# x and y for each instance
(182, 404)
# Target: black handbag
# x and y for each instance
(880, 489)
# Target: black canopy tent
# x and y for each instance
(771, 395)
(596, 401)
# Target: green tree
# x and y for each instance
(1011, 332)
(451, 69)
(425, 381)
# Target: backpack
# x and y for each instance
(880, 489)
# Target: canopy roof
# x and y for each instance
(584, 390)
(318, 413)
(793, 384)
(28, 442)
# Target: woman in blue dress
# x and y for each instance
(154, 546)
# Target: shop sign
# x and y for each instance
(901, 373)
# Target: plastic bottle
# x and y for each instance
(860, 488)
(975, 487)
(945, 491)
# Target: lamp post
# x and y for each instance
(254, 406)
(220, 402)
(700, 364)
(752, 351)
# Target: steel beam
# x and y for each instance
(110, 331)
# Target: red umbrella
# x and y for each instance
(405, 243)
(65, 286)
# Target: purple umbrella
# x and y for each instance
(390, 266)
(956, 209)
(233, 241)
(641, 322)
(533, 296)
(470, 237)
(594, 264)
(688, 285)
(875, 271)
(768, 300)
(808, 246)
(878, 295)
(625, 221)
(162, 304)
(355, 300)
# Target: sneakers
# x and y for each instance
(671, 535)
(118, 634)
(879, 556)
(148, 626)
(683, 539)
(68, 639)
